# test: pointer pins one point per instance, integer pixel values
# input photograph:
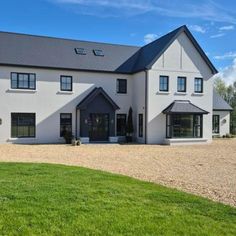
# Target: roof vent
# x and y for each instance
(80, 51)
(98, 53)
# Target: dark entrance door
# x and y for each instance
(99, 127)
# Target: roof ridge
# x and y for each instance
(67, 39)
(171, 32)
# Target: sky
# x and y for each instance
(130, 22)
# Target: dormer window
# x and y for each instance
(80, 51)
(98, 53)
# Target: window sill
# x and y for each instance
(21, 91)
(180, 93)
(163, 92)
(122, 94)
(25, 138)
(65, 92)
(215, 134)
(197, 94)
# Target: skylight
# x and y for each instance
(98, 52)
(80, 51)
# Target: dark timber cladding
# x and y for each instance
(97, 115)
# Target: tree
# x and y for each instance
(129, 126)
(220, 87)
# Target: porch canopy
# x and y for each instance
(93, 95)
(184, 120)
(97, 116)
(183, 106)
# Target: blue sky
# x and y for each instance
(132, 22)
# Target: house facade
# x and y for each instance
(49, 85)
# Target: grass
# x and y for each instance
(40, 199)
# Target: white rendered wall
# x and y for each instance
(224, 122)
(139, 103)
(180, 59)
(48, 102)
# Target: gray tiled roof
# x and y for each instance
(47, 52)
(219, 104)
(183, 106)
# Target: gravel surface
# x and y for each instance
(206, 170)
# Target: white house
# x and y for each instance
(48, 85)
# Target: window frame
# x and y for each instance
(17, 80)
(29, 126)
(213, 124)
(119, 133)
(118, 86)
(163, 77)
(80, 51)
(98, 53)
(140, 125)
(170, 125)
(196, 79)
(185, 84)
(71, 121)
(66, 76)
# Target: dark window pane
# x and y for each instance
(181, 84)
(80, 51)
(23, 81)
(216, 124)
(140, 125)
(121, 124)
(164, 83)
(65, 123)
(198, 85)
(22, 125)
(184, 126)
(98, 53)
(66, 83)
(121, 86)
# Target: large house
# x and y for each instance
(49, 85)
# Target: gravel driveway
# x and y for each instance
(206, 170)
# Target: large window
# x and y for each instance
(181, 84)
(164, 83)
(23, 81)
(216, 124)
(121, 124)
(140, 125)
(184, 126)
(65, 123)
(121, 86)
(66, 83)
(198, 85)
(23, 125)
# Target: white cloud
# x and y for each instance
(197, 28)
(202, 9)
(226, 28)
(217, 35)
(228, 55)
(228, 74)
(148, 38)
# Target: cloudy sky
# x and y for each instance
(132, 22)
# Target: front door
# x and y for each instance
(99, 127)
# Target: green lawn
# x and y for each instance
(40, 199)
